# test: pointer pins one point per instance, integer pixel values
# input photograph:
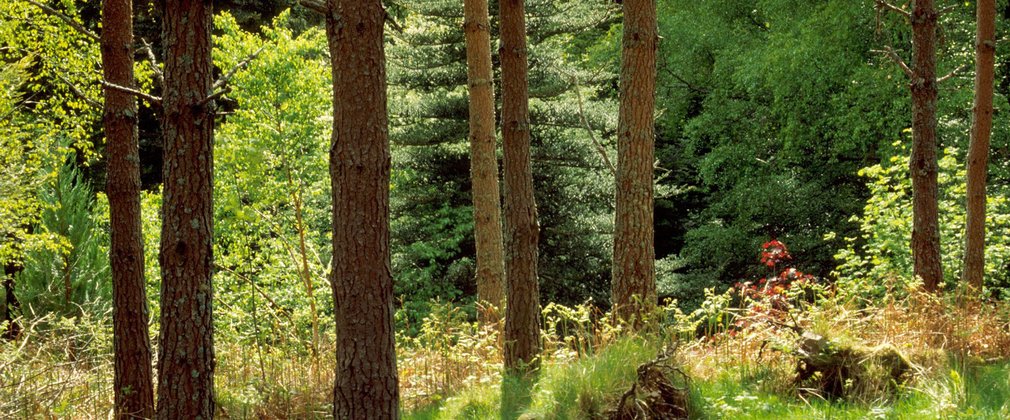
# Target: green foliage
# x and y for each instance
(272, 184)
(72, 277)
(879, 259)
(769, 109)
(432, 221)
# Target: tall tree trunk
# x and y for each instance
(133, 383)
(483, 161)
(366, 377)
(634, 273)
(923, 165)
(978, 150)
(186, 353)
(522, 314)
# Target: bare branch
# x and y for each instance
(151, 99)
(154, 62)
(314, 5)
(214, 96)
(77, 92)
(884, 5)
(589, 129)
(952, 73)
(946, 10)
(890, 53)
(220, 83)
(67, 19)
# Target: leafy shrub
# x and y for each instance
(880, 260)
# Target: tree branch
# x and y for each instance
(589, 129)
(153, 100)
(946, 10)
(67, 19)
(890, 53)
(220, 83)
(77, 92)
(952, 73)
(314, 5)
(884, 5)
(154, 62)
(215, 96)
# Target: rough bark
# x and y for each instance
(186, 358)
(923, 165)
(634, 280)
(978, 149)
(522, 293)
(483, 161)
(133, 383)
(366, 377)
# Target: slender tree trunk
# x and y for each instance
(186, 353)
(483, 161)
(978, 150)
(133, 384)
(522, 314)
(923, 165)
(11, 305)
(634, 274)
(366, 377)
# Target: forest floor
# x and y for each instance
(734, 363)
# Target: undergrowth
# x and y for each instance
(739, 362)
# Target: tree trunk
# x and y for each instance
(186, 353)
(133, 384)
(11, 305)
(522, 315)
(978, 150)
(923, 165)
(366, 377)
(634, 274)
(483, 161)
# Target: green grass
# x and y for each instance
(586, 388)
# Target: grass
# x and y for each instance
(62, 369)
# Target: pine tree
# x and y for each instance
(134, 389)
(634, 278)
(186, 351)
(978, 149)
(433, 246)
(483, 160)
(366, 380)
(522, 231)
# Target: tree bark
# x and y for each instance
(522, 315)
(978, 149)
(186, 358)
(366, 377)
(133, 383)
(634, 274)
(923, 165)
(483, 161)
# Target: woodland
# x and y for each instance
(501, 209)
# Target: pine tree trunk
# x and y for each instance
(186, 351)
(634, 278)
(366, 377)
(522, 314)
(978, 150)
(133, 386)
(483, 161)
(923, 165)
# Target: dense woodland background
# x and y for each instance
(776, 120)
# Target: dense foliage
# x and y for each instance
(778, 122)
